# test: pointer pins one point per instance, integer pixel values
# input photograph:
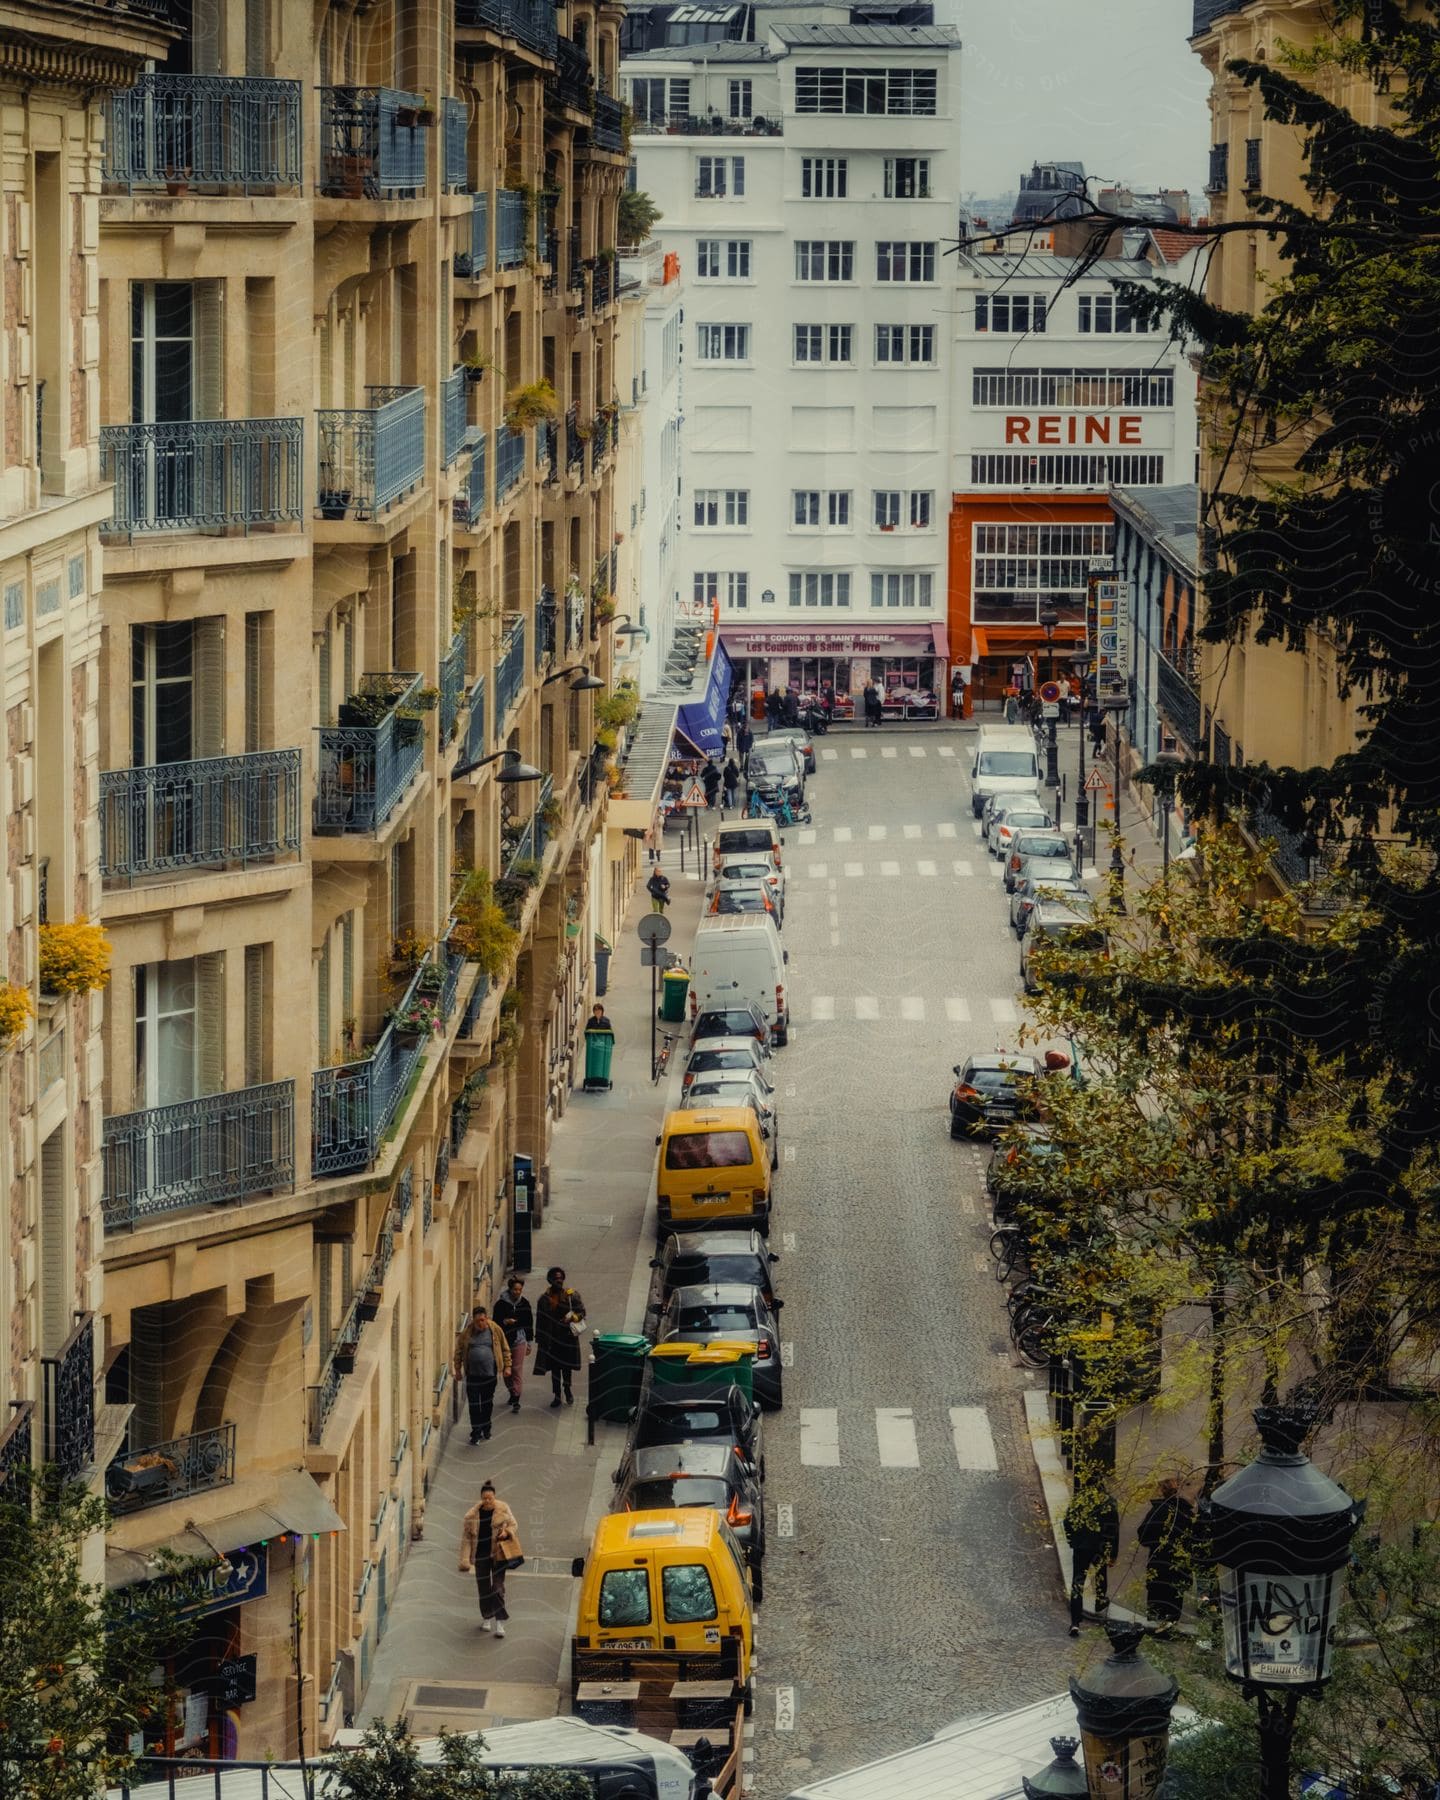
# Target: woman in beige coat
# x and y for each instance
(489, 1542)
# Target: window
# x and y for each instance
(625, 1597)
(820, 587)
(1073, 387)
(823, 177)
(904, 262)
(838, 501)
(1066, 471)
(920, 509)
(719, 177)
(907, 177)
(1010, 312)
(905, 343)
(722, 259)
(824, 259)
(731, 587)
(887, 508)
(722, 506)
(1109, 313)
(660, 100)
(739, 106)
(1017, 567)
(688, 1595)
(824, 343)
(837, 90)
(709, 1150)
(811, 505)
(724, 343)
(807, 506)
(908, 587)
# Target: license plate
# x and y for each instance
(627, 1644)
(711, 1199)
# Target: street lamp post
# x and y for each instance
(1171, 762)
(1123, 1709)
(1062, 1779)
(1280, 1534)
(1049, 619)
(1117, 705)
(513, 768)
(1081, 666)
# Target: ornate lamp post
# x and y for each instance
(1049, 619)
(1280, 1533)
(1123, 1709)
(1171, 762)
(1062, 1779)
(1117, 705)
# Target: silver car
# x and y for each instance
(1063, 886)
(1016, 815)
(743, 1054)
(1057, 924)
(733, 1087)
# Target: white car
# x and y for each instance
(1027, 814)
(744, 1055)
(742, 871)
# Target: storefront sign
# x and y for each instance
(828, 643)
(242, 1575)
(1108, 631)
(1124, 429)
(233, 1683)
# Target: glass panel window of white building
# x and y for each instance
(719, 177)
(904, 343)
(899, 261)
(722, 259)
(907, 177)
(731, 587)
(824, 259)
(724, 343)
(1073, 387)
(660, 100)
(718, 507)
(824, 343)
(902, 587)
(892, 505)
(824, 177)
(1014, 568)
(921, 509)
(738, 99)
(1010, 312)
(820, 587)
(886, 511)
(1109, 313)
(816, 509)
(898, 92)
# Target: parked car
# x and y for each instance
(734, 1313)
(997, 802)
(700, 1258)
(745, 869)
(1005, 821)
(753, 897)
(1059, 927)
(1010, 1175)
(997, 1089)
(800, 738)
(727, 1415)
(1050, 880)
(741, 1020)
(663, 1476)
(728, 1053)
(1026, 844)
(772, 767)
(708, 1091)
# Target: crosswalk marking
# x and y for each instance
(974, 1441)
(823, 1006)
(857, 752)
(945, 829)
(853, 869)
(808, 837)
(1003, 1012)
(963, 868)
(925, 868)
(946, 750)
(912, 831)
(915, 750)
(895, 1435)
(842, 834)
(866, 1006)
(957, 1011)
(996, 869)
(828, 755)
(820, 1437)
(877, 834)
(912, 1007)
(817, 871)
(889, 868)
(889, 751)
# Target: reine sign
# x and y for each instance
(1074, 428)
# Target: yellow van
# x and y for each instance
(714, 1171)
(665, 1585)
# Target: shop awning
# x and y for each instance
(979, 642)
(884, 639)
(648, 742)
(940, 641)
(701, 721)
(289, 1501)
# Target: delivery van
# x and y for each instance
(737, 956)
(714, 1171)
(1004, 763)
(663, 1586)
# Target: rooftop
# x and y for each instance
(726, 50)
(1169, 517)
(867, 37)
(1048, 268)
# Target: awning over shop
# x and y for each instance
(883, 640)
(700, 721)
(647, 754)
(290, 1501)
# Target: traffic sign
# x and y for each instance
(694, 795)
(653, 928)
(1050, 691)
(1050, 709)
(1094, 781)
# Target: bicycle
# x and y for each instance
(662, 1057)
(1011, 1253)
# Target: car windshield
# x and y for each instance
(1019, 821)
(749, 840)
(716, 1318)
(1042, 846)
(1073, 937)
(711, 1270)
(708, 1150)
(1008, 762)
(741, 900)
(721, 1059)
(681, 1490)
(717, 1024)
(746, 872)
(684, 1422)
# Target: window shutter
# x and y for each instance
(57, 1256)
(322, 1002)
(324, 1300)
(347, 965)
(209, 687)
(254, 641)
(257, 970)
(209, 350)
(323, 681)
(257, 46)
(210, 1023)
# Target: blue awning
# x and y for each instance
(700, 721)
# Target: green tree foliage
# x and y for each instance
(388, 1767)
(636, 218)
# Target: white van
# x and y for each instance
(1005, 763)
(738, 957)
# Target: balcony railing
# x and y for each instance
(574, 264)
(509, 671)
(334, 1369)
(207, 1152)
(474, 497)
(17, 1454)
(1178, 702)
(1252, 163)
(529, 22)
(363, 770)
(509, 228)
(452, 682)
(603, 282)
(606, 133)
(1208, 11)
(455, 119)
(685, 124)
(202, 474)
(547, 450)
(572, 82)
(219, 811)
(353, 1106)
(1219, 177)
(476, 260)
(69, 1378)
(546, 612)
(475, 723)
(574, 443)
(369, 146)
(509, 461)
(206, 131)
(371, 455)
(455, 412)
(152, 1474)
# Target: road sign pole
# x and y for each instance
(654, 1010)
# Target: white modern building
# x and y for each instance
(807, 179)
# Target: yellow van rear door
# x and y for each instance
(626, 1608)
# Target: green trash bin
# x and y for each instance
(674, 987)
(617, 1363)
(599, 1053)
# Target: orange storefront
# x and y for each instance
(1009, 555)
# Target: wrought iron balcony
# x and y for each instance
(152, 1474)
(452, 682)
(17, 1454)
(69, 1378)
(1178, 702)
(547, 450)
(202, 474)
(572, 83)
(455, 413)
(212, 1151)
(509, 461)
(546, 613)
(603, 282)
(1219, 177)
(364, 769)
(475, 723)
(607, 133)
(687, 124)
(476, 260)
(204, 131)
(574, 443)
(353, 1106)
(509, 671)
(217, 812)
(574, 265)
(372, 144)
(455, 119)
(1252, 163)
(371, 455)
(529, 22)
(470, 503)
(1208, 11)
(509, 228)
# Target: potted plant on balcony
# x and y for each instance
(532, 403)
(481, 931)
(177, 180)
(342, 1357)
(369, 1303)
(475, 366)
(16, 1010)
(74, 958)
(334, 502)
(552, 813)
(431, 978)
(415, 1018)
(414, 114)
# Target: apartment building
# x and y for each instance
(56, 67)
(807, 175)
(356, 330)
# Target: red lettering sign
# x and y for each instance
(1049, 429)
(1074, 428)
(1130, 430)
(1017, 429)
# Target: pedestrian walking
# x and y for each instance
(1165, 1532)
(658, 888)
(559, 1321)
(596, 1022)
(1096, 723)
(744, 741)
(732, 782)
(774, 708)
(480, 1358)
(515, 1318)
(490, 1545)
(1012, 705)
(1092, 1530)
(873, 708)
(652, 841)
(710, 781)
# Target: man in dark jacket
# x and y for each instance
(1092, 1530)
(557, 1343)
(515, 1318)
(710, 780)
(480, 1358)
(1165, 1533)
(744, 742)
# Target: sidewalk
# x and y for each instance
(433, 1662)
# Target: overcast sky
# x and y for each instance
(1110, 83)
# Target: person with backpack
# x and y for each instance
(658, 888)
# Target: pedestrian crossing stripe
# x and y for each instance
(900, 1440)
(913, 1009)
(925, 868)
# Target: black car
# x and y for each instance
(1012, 1175)
(996, 1090)
(726, 1416)
(725, 1312)
(663, 1476)
(731, 1022)
(698, 1258)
